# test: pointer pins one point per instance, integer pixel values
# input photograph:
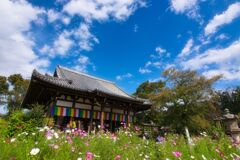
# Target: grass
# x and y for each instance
(56, 145)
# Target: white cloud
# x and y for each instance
(160, 53)
(187, 48)
(83, 60)
(103, 9)
(85, 37)
(16, 44)
(83, 63)
(160, 50)
(181, 6)
(168, 66)
(148, 63)
(188, 7)
(225, 17)
(61, 45)
(220, 60)
(54, 16)
(135, 28)
(144, 71)
(222, 36)
(227, 74)
(121, 77)
(80, 36)
(156, 64)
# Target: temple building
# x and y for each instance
(70, 95)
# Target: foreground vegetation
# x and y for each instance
(183, 99)
(49, 144)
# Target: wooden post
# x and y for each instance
(129, 118)
(102, 117)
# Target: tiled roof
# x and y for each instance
(67, 78)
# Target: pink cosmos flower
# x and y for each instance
(177, 154)
(113, 137)
(55, 146)
(118, 157)
(69, 139)
(89, 155)
(49, 135)
(137, 128)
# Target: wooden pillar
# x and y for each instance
(102, 117)
(128, 118)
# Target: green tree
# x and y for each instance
(231, 100)
(16, 95)
(148, 89)
(3, 89)
(187, 100)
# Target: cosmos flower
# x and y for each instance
(89, 155)
(49, 135)
(137, 128)
(177, 154)
(12, 140)
(56, 135)
(34, 151)
(118, 157)
(69, 140)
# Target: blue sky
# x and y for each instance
(125, 41)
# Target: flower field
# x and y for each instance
(76, 145)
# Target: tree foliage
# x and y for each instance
(188, 100)
(3, 89)
(18, 92)
(13, 90)
(148, 89)
(231, 100)
(183, 99)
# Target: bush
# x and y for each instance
(48, 121)
(19, 122)
(15, 124)
(35, 114)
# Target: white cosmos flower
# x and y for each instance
(79, 158)
(34, 151)
(46, 128)
(67, 131)
(203, 157)
(56, 135)
(13, 139)
(49, 137)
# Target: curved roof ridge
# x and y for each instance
(84, 74)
